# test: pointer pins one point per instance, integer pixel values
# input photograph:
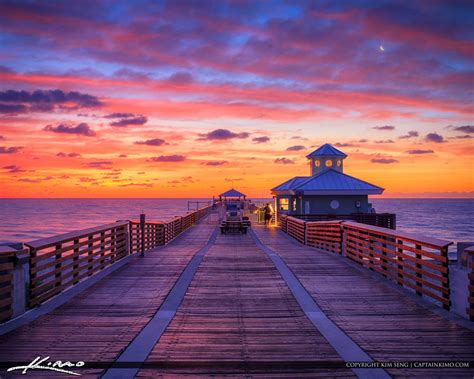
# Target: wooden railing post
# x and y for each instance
(400, 266)
(444, 254)
(418, 273)
(75, 260)
(305, 228)
(102, 248)
(384, 254)
(142, 229)
(57, 258)
(90, 261)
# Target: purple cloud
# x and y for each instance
(214, 163)
(263, 139)
(383, 160)
(104, 165)
(13, 169)
(168, 158)
(152, 142)
(410, 134)
(222, 134)
(10, 150)
(13, 108)
(181, 78)
(384, 141)
(119, 115)
(420, 151)
(68, 155)
(434, 137)
(284, 161)
(140, 120)
(81, 129)
(384, 127)
(464, 128)
(337, 144)
(45, 101)
(296, 148)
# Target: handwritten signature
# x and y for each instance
(42, 364)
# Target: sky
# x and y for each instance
(191, 98)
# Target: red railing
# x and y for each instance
(470, 265)
(412, 261)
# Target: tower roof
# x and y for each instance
(326, 150)
(329, 182)
(232, 193)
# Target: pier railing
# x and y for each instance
(59, 262)
(412, 261)
(384, 220)
(470, 265)
(62, 261)
(7, 256)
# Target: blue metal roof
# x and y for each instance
(289, 184)
(232, 193)
(328, 182)
(326, 150)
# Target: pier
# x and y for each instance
(287, 301)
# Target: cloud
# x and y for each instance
(152, 142)
(2, 137)
(466, 136)
(10, 150)
(137, 185)
(123, 156)
(13, 108)
(337, 144)
(384, 141)
(140, 120)
(434, 137)
(464, 128)
(263, 139)
(13, 169)
(80, 129)
(119, 115)
(214, 163)
(14, 102)
(384, 127)
(167, 158)
(410, 134)
(384, 160)
(420, 151)
(233, 179)
(181, 78)
(284, 161)
(104, 165)
(221, 134)
(68, 155)
(296, 148)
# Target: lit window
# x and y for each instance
(328, 163)
(339, 163)
(283, 204)
(317, 163)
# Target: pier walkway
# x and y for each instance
(240, 306)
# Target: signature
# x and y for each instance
(42, 364)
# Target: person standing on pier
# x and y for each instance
(268, 213)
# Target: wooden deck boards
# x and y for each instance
(99, 323)
(239, 317)
(386, 324)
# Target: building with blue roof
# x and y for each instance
(328, 190)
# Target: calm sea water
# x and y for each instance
(28, 219)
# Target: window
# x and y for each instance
(339, 163)
(334, 204)
(328, 163)
(317, 163)
(283, 204)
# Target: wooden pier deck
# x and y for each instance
(240, 315)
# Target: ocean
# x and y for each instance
(24, 220)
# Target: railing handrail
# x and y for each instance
(66, 237)
(409, 237)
